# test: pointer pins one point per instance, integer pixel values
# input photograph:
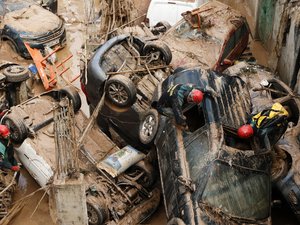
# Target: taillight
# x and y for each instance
(83, 89)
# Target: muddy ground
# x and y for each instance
(35, 210)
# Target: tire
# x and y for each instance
(279, 171)
(120, 91)
(166, 26)
(16, 73)
(18, 129)
(72, 95)
(157, 50)
(21, 93)
(176, 221)
(96, 215)
(13, 45)
(148, 127)
(280, 165)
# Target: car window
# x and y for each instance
(197, 148)
(185, 31)
(234, 40)
(239, 190)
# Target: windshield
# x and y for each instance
(184, 31)
(239, 192)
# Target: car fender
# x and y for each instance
(96, 74)
(12, 34)
(93, 67)
(36, 165)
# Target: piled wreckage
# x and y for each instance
(208, 174)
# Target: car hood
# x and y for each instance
(32, 20)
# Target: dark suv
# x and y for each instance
(126, 69)
(208, 174)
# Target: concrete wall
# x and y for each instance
(68, 202)
(289, 59)
(141, 6)
(276, 24)
(249, 10)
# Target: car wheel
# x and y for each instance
(16, 73)
(96, 215)
(157, 50)
(148, 127)
(120, 91)
(280, 164)
(18, 129)
(72, 95)
(279, 170)
(176, 221)
(163, 25)
(13, 45)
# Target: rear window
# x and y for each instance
(234, 40)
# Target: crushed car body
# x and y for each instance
(211, 36)
(118, 190)
(208, 174)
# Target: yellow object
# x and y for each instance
(276, 110)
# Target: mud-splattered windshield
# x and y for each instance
(184, 31)
(239, 192)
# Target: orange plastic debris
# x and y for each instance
(47, 72)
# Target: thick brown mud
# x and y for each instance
(35, 210)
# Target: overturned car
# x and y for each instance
(209, 175)
(126, 69)
(118, 190)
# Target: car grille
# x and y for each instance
(59, 34)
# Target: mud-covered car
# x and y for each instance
(126, 69)
(116, 192)
(211, 36)
(27, 21)
(265, 91)
(13, 87)
(208, 174)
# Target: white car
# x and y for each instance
(169, 10)
(124, 177)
